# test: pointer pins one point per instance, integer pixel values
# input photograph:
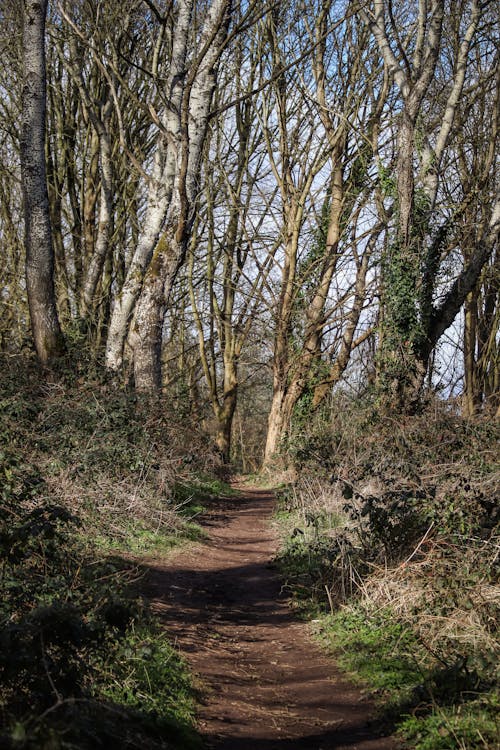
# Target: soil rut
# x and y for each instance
(265, 685)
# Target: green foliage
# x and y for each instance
(310, 265)
(138, 539)
(190, 495)
(88, 470)
(308, 565)
(386, 180)
(391, 521)
(315, 555)
(144, 673)
(434, 468)
(378, 651)
(403, 321)
(73, 641)
(446, 709)
(468, 726)
(302, 410)
(401, 333)
(413, 558)
(401, 325)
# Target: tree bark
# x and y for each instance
(160, 190)
(38, 239)
(276, 426)
(225, 413)
(191, 128)
(101, 247)
(147, 332)
(471, 396)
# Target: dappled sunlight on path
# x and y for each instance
(265, 685)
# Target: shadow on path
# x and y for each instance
(333, 740)
(266, 686)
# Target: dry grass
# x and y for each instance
(111, 459)
(414, 590)
(415, 503)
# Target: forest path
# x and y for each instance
(265, 685)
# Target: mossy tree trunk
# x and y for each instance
(400, 369)
(412, 322)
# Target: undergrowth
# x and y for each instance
(391, 539)
(88, 475)
(124, 464)
(82, 664)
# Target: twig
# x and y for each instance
(330, 600)
(421, 542)
(47, 672)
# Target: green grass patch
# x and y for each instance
(144, 674)
(433, 706)
(310, 523)
(189, 496)
(433, 700)
(137, 538)
(468, 726)
(378, 651)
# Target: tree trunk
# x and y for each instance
(470, 397)
(398, 369)
(62, 286)
(191, 128)
(276, 428)
(97, 259)
(161, 186)
(225, 414)
(444, 315)
(126, 298)
(285, 398)
(38, 239)
(90, 196)
(225, 424)
(146, 335)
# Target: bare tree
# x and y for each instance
(101, 105)
(328, 120)
(226, 292)
(413, 45)
(186, 125)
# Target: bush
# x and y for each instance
(86, 468)
(111, 458)
(417, 539)
(73, 640)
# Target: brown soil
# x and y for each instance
(265, 684)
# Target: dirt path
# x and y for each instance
(266, 686)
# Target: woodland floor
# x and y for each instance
(265, 685)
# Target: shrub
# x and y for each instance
(82, 662)
(111, 458)
(73, 641)
(417, 539)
